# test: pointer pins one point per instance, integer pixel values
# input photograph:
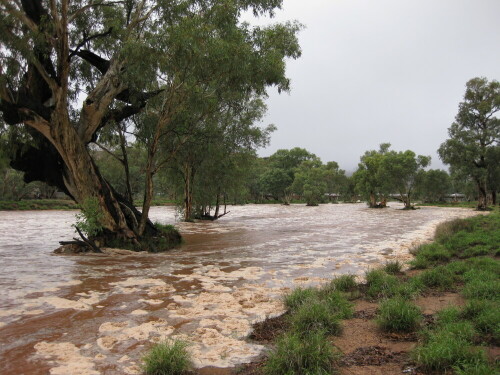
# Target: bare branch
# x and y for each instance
(108, 152)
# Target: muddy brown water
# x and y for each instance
(95, 314)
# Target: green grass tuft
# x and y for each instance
(299, 355)
(298, 297)
(393, 268)
(167, 358)
(315, 316)
(338, 305)
(443, 350)
(398, 315)
(345, 283)
(439, 277)
(380, 284)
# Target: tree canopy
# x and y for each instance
(473, 147)
(71, 70)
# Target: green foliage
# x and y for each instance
(298, 297)
(484, 314)
(380, 284)
(315, 316)
(38, 204)
(445, 230)
(472, 147)
(337, 304)
(478, 367)
(439, 277)
(167, 358)
(295, 354)
(393, 268)
(344, 283)
(448, 315)
(444, 349)
(368, 182)
(398, 315)
(433, 185)
(410, 289)
(399, 170)
(89, 220)
(481, 284)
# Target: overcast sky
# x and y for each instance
(381, 71)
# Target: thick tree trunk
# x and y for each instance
(482, 198)
(188, 192)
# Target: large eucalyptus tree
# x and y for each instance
(71, 68)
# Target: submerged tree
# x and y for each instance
(399, 172)
(70, 69)
(473, 147)
(368, 178)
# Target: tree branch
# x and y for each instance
(91, 5)
(86, 40)
(20, 16)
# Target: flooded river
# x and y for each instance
(98, 314)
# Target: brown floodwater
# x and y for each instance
(98, 314)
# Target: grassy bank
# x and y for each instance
(38, 204)
(450, 204)
(457, 339)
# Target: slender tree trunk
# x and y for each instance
(188, 198)
(217, 200)
(123, 146)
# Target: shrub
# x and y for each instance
(90, 218)
(398, 315)
(167, 358)
(393, 267)
(380, 284)
(298, 296)
(298, 355)
(315, 317)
